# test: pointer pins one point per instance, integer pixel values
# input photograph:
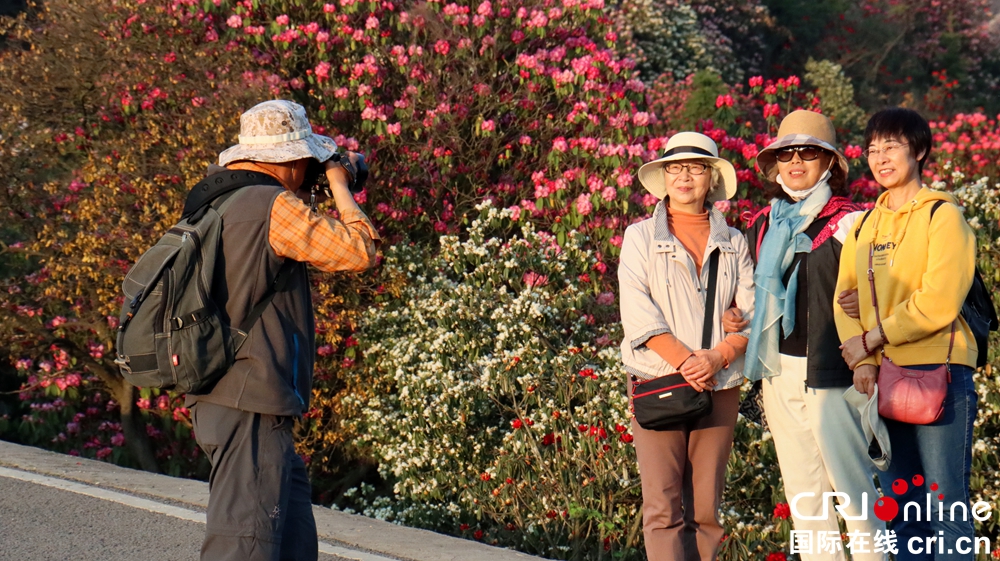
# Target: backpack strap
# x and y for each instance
(278, 285)
(857, 230)
(218, 190)
(218, 184)
(937, 204)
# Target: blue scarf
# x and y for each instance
(772, 300)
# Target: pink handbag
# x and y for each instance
(904, 394)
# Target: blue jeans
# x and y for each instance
(941, 452)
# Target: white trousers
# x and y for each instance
(821, 448)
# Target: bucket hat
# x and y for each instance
(801, 128)
(277, 131)
(687, 146)
(876, 435)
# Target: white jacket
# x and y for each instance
(661, 293)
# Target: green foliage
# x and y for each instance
(837, 97)
(706, 87)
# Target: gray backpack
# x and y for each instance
(171, 334)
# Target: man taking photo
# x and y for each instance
(259, 506)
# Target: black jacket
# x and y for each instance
(815, 333)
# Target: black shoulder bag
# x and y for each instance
(668, 402)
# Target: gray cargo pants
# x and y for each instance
(259, 505)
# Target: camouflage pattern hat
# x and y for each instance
(277, 131)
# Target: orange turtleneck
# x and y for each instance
(692, 231)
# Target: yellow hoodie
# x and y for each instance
(923, 270)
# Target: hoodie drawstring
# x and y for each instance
(900, 235)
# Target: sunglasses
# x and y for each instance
(806, 153)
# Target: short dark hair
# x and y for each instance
(902, 123)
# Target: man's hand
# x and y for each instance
(337, 175)
(339, 179)
(699, 369)
(865, 377)
(733, 322)
(848, 300)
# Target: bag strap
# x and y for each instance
(713, 274)
(857, 231)
(218, 190)
(878, 318)
(214, 186)
(280, 281)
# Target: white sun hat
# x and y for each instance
(277, 131)
(688, 146)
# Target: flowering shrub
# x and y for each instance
(500, 412)
(530, 105)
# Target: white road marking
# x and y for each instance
(152, 506)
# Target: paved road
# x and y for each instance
(59, 508)
(39, 522)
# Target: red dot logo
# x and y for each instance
(918, 480)
(886, 508)
(941, 497)
(934, 486)
(899, 487)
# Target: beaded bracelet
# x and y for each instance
(865, 344)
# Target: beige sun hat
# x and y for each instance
(801, 128)
(277, 131)
(688, 146)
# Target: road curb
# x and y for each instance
(347, 530)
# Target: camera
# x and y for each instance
(315, 179)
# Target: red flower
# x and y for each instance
(463, 527)
(485, 476)
(777, 556)
(782, 511)
(548, 439)
(478, 534)
(516, 423)
(626, 438)
(551, 514)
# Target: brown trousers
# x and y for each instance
(683, 475)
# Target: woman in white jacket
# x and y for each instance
(663, 302)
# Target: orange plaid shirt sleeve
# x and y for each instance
(348, 244)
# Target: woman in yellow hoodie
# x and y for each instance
(923, 259)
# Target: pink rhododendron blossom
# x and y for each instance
(606, 298)
(235, 21)
(609, 194)
(649, 199)
(163, 402)
(583, 204)
(852, 151)
(487, 125)
(281, 20)
(534, 280)
(118, 439)
(723, 206)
